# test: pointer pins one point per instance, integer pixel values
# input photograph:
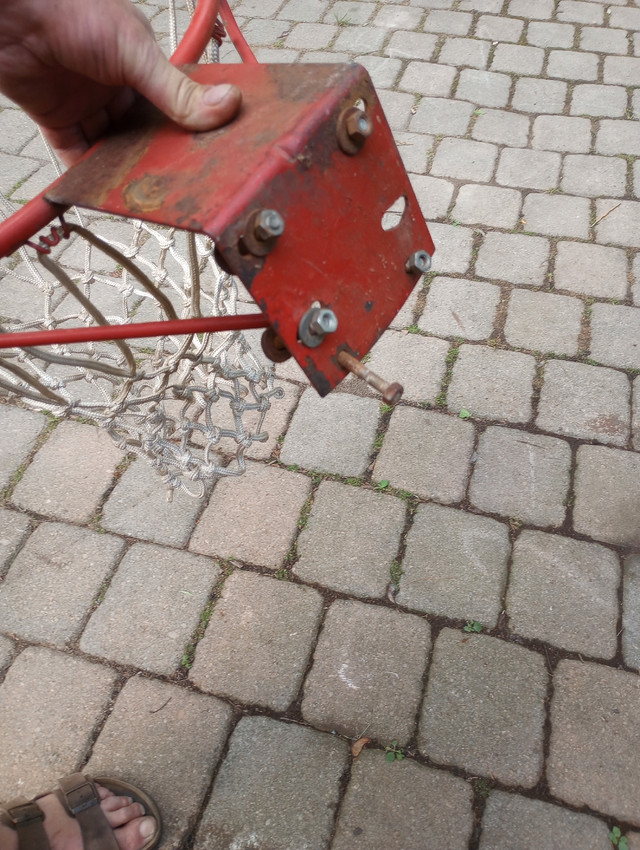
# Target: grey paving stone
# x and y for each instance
(631, 611)
(544, 34)
(621, 225)
(7, 649)
(492, 383)
(468, 52)
(304, 11)
(333, 434)
(412, 45)
(405, 317)
(442, 117)
(355, 13)
(490, 6)
(625, 18)
(258, 641)
(278, 787)
(496, 728)
(499, 28)
(557, 215)
(542, 321)
(414, 149)
(247, 506)
(383, 70)
(484, 87)
(513, 257)
(49, 704)
(367, 672)
(635, 414)
(453, 248)
(517, 59)
(591, 270)
(463, 159)
(520, 475)
(460, 308)
(455, 565)
(512, 821)
(428, 79)
(587, 402)
(69, 475)
(408, 800)
(621, 70)
(14, 170)
(542, 10)
(477, 204)
(397, 17)
(20, 429)
(148, 622)
(449, 23)
(615, 335)
(604, 39)
(351, 540)
(616, 137)
(418, 363)
(607, 488)
(571, 65)
(564, 592)
(398, 108)
(63, 567)
(311, 36)
(560, 133)
(599, 101)
(434, 196)
(138, 507)
(533, 95)
(580, 12)
(441, 468)
(356, 39)
(594, 176)
(528, 169)
(168, 740)
(14, 527)
(502, 127)
(17, 130)
(594, 728)
(259, 31)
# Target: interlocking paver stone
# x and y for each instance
(455, 245)
(616, 137)
(414, 150)
(14, 527)
(513, 257)
(412, 45)
(595, 726)
(434, 195)
(564, 592)
(631, 611)
(363, 655)
(168, 740)
(63, 567)
(384, 70)
(621, 70)
(492, 383)
(247, 505)
(463, 159)
(455, 565)
(460, 308)
(528, 169)
(593, 270)
(69, 475)
(622, 224)
(543, 34)
(20, 429)
(587, 402)
(560, 133)
(541, 321)
(599, 101)
(501, 127)
(49, 703)
(451, 23)
(491, 205)
(572, 66)
(151, 608)
(333, 434)
(356, 39)
(351, 540)
(604, 40)
(428, 79)
(420, 362)
(533, 95)
(441, 468)
(607, 488)
(580, 12)
(441, 116)
(306, 11)
(557, 215)
(7, 649)
(469, 52)
(615, 335)
(258, 641)
(398, 108)
(521, 475)
(398, 17)
(278, 787)
(409, 800)
(542, 10)
(512, 821)
(518, 59)
(484, 707)
(483, 87)
(356, 13)
(499, 29)
(594, 176)
(635, 414)
(311, 36)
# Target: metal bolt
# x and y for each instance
(359, 126)
(391, 393)
(269, 224)
(418, 263)
(324, 322)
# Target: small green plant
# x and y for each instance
(473, 627)
(394, 752)
(293, 467)
(413, 329)
(482, 787)
(283, 574)
(343, 20)
(395, 572)
(618, 839)
(385, 408)
(382, 485)
(464, 414)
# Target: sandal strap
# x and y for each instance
(26, 817)
(81, 799)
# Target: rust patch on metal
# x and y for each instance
(146, 194)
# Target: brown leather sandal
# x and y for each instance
(80, 798)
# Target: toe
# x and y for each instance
(134, 835)
(110, 804)
(121, 816)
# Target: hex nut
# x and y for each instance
(419, 262)
(269, 224)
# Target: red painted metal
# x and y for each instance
(239, 41)
(281, 153)
(198, 34)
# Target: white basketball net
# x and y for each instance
(190, 405)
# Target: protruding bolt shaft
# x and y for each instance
(391, 393)
(418, 263)
(269, 224)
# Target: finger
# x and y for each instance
(94, 126)
(69, 143)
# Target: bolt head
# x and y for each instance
(324, 322)
(269, 225)
(419, 262)
(358, 126)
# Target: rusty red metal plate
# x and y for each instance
(281, 153)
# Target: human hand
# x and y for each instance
(74, 66)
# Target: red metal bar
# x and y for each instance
(198, 34)
(98, 333)
(239, 41)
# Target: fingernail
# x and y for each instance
(147, 827)
(215, 94)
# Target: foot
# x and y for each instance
(132, 829)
